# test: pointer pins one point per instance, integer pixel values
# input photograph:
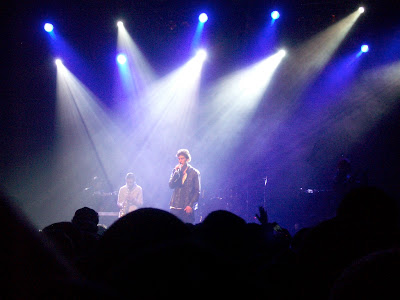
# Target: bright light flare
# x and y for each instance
(121, 59)
(275, 15)
(58, 62)
(203, 18)
(48, 27)
(361, 10)
(201, 54)
(364, 48)
(120, 24)
(281, 53)
(254, 81)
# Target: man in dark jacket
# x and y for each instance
(185, 180)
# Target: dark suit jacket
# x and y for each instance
(186, 194)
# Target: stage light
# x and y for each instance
(121, 59)
(58, 62)
(201, 54)
(48, 27)
(361, 10)
(203, 18)
(275, 15)
(282, 53)
(82, 120)
(137, 73)
(235, 99)
(364, 48)
(120, 24)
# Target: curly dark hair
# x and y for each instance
(185, 153)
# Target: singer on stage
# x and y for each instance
(185, 180)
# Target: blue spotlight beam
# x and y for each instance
(141, 73)
(49, 28)
(364, 49)
(306, 63)
(125, 75)
(274, 16)
(197, 35)
(203, 18)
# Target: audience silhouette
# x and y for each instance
(150, 253)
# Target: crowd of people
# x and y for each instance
(150, 253)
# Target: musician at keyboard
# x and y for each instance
(130, 196)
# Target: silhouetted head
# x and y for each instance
(223, 229)
(145, 246)
(372, 277)
(223, 220)
(65, 236)
(144, 227)
(368, 206)
(138, 233)
(86, 219)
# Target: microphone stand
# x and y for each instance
(265, 194)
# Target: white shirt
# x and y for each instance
(131, 199)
